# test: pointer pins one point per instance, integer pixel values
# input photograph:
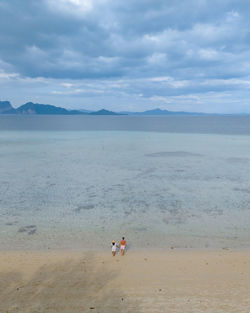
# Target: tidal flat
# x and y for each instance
(68, 189)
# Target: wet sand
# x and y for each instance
(171, 281)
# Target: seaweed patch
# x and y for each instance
(84, 207)
(173, 154)
(237, 160)
(244, 190)
(175, 220)
(29, 229)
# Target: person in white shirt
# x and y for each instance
(113, 247)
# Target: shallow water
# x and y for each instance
(81, 189)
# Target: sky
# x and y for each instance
(133, 55)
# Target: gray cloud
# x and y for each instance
(171, 54)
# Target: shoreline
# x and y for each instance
(129, 250)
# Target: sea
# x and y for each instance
(79, 182)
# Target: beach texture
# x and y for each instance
(173, 281)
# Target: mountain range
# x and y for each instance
(47, 109)
(162, 112)
(6, 108)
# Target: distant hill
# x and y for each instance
(36, 108)
(31, 108)
(104, 112)
(6, 108)
(163, 112)
(85, 111)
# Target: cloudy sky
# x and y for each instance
(135, 55)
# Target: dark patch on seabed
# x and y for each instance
(175, 220)
(140, 229)
(11, 223)
(214, 211)
(84, 207)
(244, 190)
(173, 154)
(175, 216)
(238, 160)
(29, 229)
(129, 212)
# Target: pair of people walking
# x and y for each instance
(115, 246)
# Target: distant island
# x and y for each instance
(31, 108)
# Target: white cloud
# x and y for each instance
(69, 92)
(157, 59)
(71, 6)
(170, 81)
(208, 54)
(160, 99)
(236, 82)
(67, 85)
(5, 75)
(78, 8)
(232, 16)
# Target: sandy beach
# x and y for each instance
(172, 281)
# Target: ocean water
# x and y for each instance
(78, 182)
